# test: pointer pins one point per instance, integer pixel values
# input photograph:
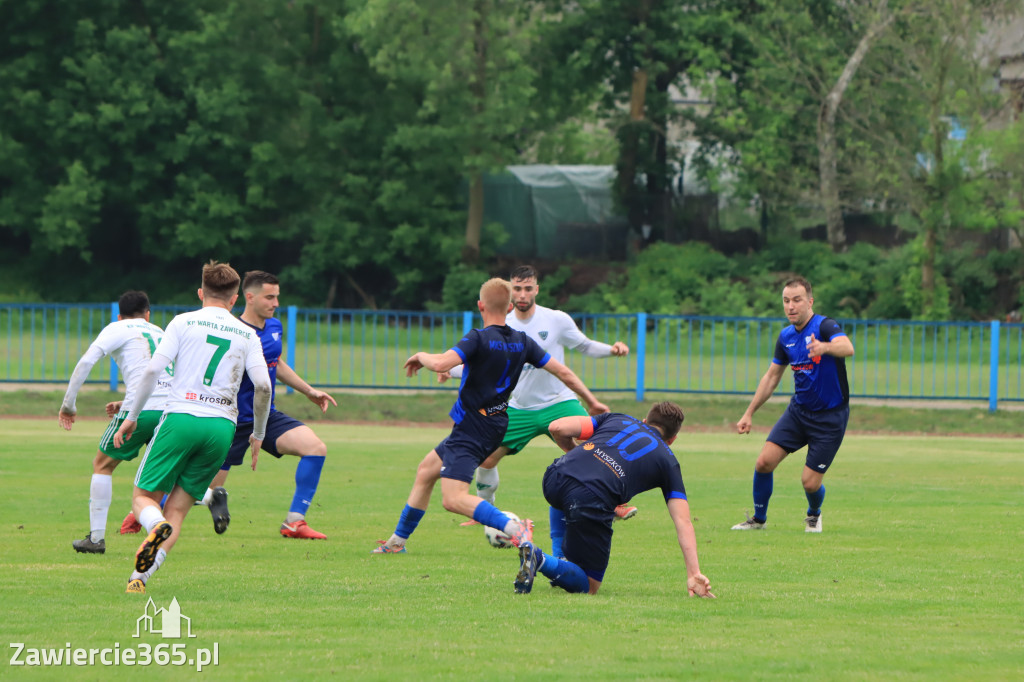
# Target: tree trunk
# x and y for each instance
(936, 212)
(659, 197)
(474, 220)
(827, 149)
(928, 269)
(475, 217)
(368, 300)
(629, 149)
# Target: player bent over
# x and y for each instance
(619, 457)
(130, 341)
(540, 398)
(211, 349)
(494, 358)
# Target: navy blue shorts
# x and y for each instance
(277, 425)
(469, 444)
(588, 522)
(822, 433)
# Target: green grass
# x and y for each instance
(918, 575)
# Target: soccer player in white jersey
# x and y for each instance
(131, 341)
(541, 398)
(211, 350)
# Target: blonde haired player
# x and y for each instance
(541, 398)
(494, 357)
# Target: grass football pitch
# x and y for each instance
(918, 575)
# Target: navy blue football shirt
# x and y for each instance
(623, 457)
(270, 337)
(820, 383)
(492, 358)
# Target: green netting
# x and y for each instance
(548, 211)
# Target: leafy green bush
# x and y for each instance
(461, 289)
(866, 282)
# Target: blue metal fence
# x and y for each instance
(978, 361)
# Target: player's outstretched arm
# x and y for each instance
(66, 417)
(571, 336)
(125, 432)
(67, 412)
(838, 346)
(260, 378)
(435, 362)
(569, 378)
(769, 382)
(566, 430)
(289, 377)
(144, 388)
(697, 584)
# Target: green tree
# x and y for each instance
(642, 51)
(949, 170)
(466, 61)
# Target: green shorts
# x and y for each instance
(525, 425)
(131, 448)
(186, 451)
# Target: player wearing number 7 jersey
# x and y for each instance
(131, 341)
(618, 457)
(211, 350)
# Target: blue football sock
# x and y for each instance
(762, 493)
(814, 501)
(557, 520)
(163, 500)
(307, 478)
(408, 521)
(489, 515)
(565, 574)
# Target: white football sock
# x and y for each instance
(150, 516)
(487, 483)
(101, 490)
(513, 527)
(292, 517)
(207, 497)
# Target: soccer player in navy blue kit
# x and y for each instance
(618, 457)
(815, 347)
(493, 358)
(285, 435)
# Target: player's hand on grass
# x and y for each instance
(321, 399)
(113, 408)
(699, 586)
(255, 443)
(124, 433)
(620, 349)
(65, 418)
(413, 365)
(744, 424)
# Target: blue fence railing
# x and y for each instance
(977, 361)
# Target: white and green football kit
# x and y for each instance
(211, 350)
(131, 343)
(540, 397)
